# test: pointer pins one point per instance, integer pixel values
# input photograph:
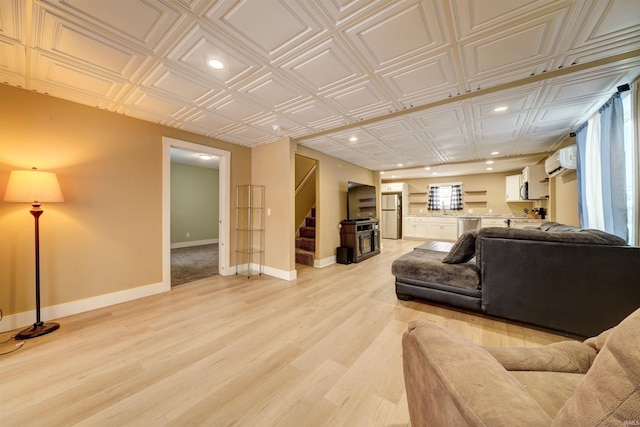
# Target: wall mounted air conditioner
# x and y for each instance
(561, 160)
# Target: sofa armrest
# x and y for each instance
(566, 356)
(451, 381)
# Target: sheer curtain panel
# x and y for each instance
(601, 173)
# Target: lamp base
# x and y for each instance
(37, 330)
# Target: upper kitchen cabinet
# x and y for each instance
(513, 184)
(394, 187)
(535, 183)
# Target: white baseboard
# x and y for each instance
(324, 262)
(281, 274)
(27, 318)
(193, 243)
(24, 319)
(274, 272)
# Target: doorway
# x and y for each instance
(223, 205)
(305, 210)
(194, 216)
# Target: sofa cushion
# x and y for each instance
(463, 250)
(546, 225)
(427, 266)
(599, 237)
(610, 392)
(580, 236)
(577, 235)
(557, 228)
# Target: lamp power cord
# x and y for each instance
(18, 345)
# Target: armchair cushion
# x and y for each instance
(451, 381)
(610, 392)
(566, 356)
(550, 389)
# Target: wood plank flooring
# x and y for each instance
(323, 350)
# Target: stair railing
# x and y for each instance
(306, 178)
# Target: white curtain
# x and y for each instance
(602, 197)
(595, 216)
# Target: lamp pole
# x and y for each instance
(39, 328)
(34, 187)
(36, 212)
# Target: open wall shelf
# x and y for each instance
(475, 197)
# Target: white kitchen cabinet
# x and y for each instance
(525, 224)
(414, 228)
(436, 228)
(538, 182)
(394, 187)
(510, 222)
(441, 228)
(512, 185)
(493, 222)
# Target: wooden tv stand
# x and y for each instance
(362, 236)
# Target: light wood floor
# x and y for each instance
(323, 350)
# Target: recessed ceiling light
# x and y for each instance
(489, 162)
(205, 156)
(381, 172)
(489, 169)
(353, 139)
(434, 173)
(216, 64)
(495, 153)
(400, 165)
(393, 176)
(427, 168)
(499, 109)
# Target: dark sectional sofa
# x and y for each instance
(558, 277)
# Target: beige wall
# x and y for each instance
(303, 166)
(564, 193)
(194, 203)
(273, 166)
(331, 204)
(106, 236)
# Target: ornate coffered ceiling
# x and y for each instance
(415, 82)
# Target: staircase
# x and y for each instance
(306, 242)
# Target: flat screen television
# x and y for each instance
(361, 201)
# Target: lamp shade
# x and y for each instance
(33, 186)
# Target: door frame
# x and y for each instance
(224, 202)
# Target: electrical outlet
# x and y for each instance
(188, 234)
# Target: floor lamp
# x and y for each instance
(35, 187)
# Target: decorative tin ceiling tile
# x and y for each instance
(416, 81)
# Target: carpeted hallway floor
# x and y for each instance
(193, 263)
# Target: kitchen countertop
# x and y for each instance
(519, 218)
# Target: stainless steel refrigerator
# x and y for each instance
(391, 212)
